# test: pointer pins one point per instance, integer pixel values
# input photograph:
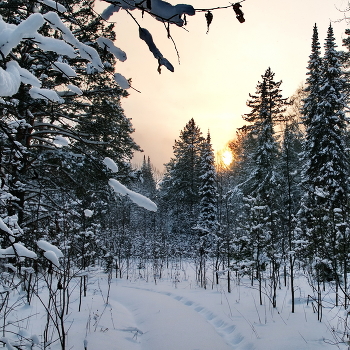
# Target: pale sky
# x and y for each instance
(217, 70)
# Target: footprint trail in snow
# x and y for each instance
(172, 322)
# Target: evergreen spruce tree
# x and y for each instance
(324, 214)
(313, 81)
(148, 183)
(207, 221)
(310, 113)
(207, 224)
(143, 222)
(262, 201)
(180, 186)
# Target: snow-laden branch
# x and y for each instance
(159, 9)
(146, 36)
(108, 44)
(45, 94)
(53, 4)
(11, 35)
(51, 252)
(137, 198)
(10, 80)
(56, 129)
(17, 249)
(110, 164)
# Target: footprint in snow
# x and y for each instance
(237, 339)
(227, 331)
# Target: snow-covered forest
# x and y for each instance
(248, 254)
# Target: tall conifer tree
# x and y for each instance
(264, 196)
(207, 224)
(207, 221)
(323, 214)
(313, 81)
(180, 187)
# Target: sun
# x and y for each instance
(227, 157)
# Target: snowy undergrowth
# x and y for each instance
(174, 313)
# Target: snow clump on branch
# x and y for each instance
(137, 198)
(161, 10)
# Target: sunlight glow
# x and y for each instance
(227, 157)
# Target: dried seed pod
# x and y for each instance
(209, 18)
(238, 12)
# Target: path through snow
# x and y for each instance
(173, 323)
(140, 315)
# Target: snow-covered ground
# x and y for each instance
(175, 314)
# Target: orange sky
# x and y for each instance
(218, 70)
